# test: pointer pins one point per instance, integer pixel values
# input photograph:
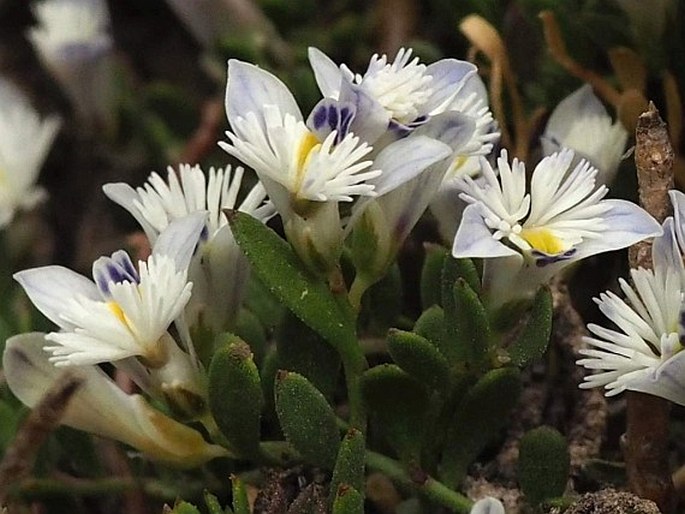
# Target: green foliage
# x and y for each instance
(431, 325)
(241, 505)
(532, 343)
(183, 507)
(250, 329)
(235, 394)
(431, 275)
(481, 414)
(348, 500)
(398, 403)
(419, 358)
(302, 350)
(307, 419)
(543, 465)
(349, 465)
(276, 264)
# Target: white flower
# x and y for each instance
(72, 40)
(219, 271)
(308, 168)
(644, 352)
(101, 408)
(487, 505)
(126, 311)
(527, 237)
(580, 122)
(25, 141)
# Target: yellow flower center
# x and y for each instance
(308, 145)
(543, 240)
(117, 311)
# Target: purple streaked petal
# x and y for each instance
(114, 270)
(329, 115)
(371, 119)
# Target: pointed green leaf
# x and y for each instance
(235, 394)
(431, 325)
(303, 351)
(250, 329)
(269, 368)
(241, 505)
(431, 275)
(279, 268)
(213, 505)
(348, 500)
(419, 358)
(307, 420)
(467, 330)
(483, 412)
(349, 466)
(452, 270)
(182, 507)
(399, 404)
(544, 464)
(534, 338)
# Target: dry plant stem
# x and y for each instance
(204, 138)
(397, 21)
(485, 38)
(646, 440)
(557, 48)
(43, 419)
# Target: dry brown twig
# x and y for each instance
(646, 438)
(41, 422)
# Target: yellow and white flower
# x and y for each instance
(527, 237)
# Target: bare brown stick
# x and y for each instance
(44, 418)
(204, 138)
(646, 439)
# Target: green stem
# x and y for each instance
(357, 290)
(355, 364)
(425, 485)
(36, 488)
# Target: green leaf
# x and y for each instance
(307, 420)
(419, 358)
(235, 394)
(269, 368)
(431, 325)
(454, 269)
(279, 268)
(250, 329)
(431, 275)
(349, 466)
(348, 500)
(182, 507)
(534, 338)
(544, 464)
(482, 413)
(467, 330)
(399, 404)
(240, 503)
(213, 505)
(302, 350)
(263, 303)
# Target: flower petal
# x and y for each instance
(678, 201)
(449, 76)
(101, 408)
(487, 505)
(327, 74)
(474, 239)
(452, 128)
(180, 239)
(403, 160)
(250, 88)
(626, 223)
(667, 381)
(125, 196)
(49, 287)
(371, 119)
